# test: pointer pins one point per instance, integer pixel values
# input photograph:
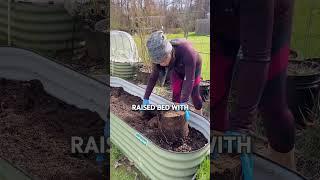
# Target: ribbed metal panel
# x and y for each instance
(3, 22)
(264, 169)
(122, 70)
(150, 159)
(41, 27)
(8, 172)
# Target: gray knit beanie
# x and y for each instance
(158, 47)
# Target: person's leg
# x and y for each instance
(196, 97)
(278, 120)
(224, 57)
(176, 86)
(225, 46)
(256, 24)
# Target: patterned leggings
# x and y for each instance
(176, 86)
(262, 29)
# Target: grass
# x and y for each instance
(306, 47)
(309, 143)
(200, 43)
(203, 172)
(121, 172)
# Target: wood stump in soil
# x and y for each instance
(150, 115)
(172, 125)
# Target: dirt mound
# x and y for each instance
(36, 131)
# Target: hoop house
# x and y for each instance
(123, 54)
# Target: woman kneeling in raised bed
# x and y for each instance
(184, 64)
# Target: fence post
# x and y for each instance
(9, 22)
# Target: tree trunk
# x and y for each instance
(173, 125)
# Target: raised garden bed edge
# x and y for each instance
(150, 159)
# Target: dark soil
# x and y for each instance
(308, 156)
(226, 167)
(120, 104)
(85, 64)
(36, 131)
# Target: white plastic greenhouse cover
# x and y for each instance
(123, 48)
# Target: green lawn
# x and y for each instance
(203, 172)
(121, 172)
(307, 47)
(200, 43)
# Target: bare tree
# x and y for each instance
(145, 18)
(141, 17)
(185, 15)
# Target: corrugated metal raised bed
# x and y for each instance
(150, 159)
(68, 85)
(265, 169)
(43, 27)
(122, 70)
(8, 172)
(59, 81)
